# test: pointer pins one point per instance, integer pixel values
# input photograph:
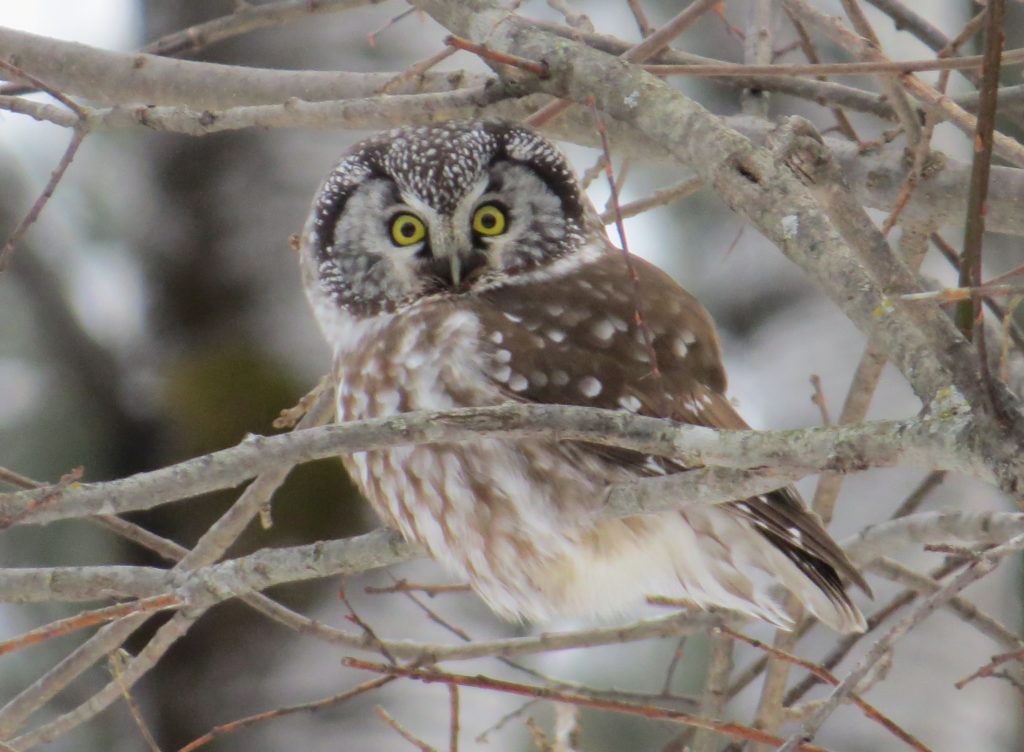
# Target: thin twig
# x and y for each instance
(991, 666)
(116, 661)
(402, 731)
(307, 707)
(453, 733)
(634, 279)
(970, 313)
(897, 96)
(81, 129)
(828, 677)
(886, 66)
(537, 68)
(977, 569)
(483, 682)
(638, 53)
(85, 619)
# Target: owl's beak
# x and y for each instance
(456, 267)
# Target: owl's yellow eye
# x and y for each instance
(407, 229)
(489, 220)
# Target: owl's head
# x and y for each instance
(441, 210)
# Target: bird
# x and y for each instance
(460, 264)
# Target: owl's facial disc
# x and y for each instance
(485, 202)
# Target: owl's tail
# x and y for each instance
(736, 556)
(748, 557)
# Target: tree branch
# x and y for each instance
(934, 442)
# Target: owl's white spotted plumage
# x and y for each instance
(460, 265)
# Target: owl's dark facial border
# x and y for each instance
(361, 164)
(522, 146)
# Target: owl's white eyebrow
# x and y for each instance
(421, 207)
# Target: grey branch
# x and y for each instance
(928, 441)
(120, 78)
(200, 98)
(205, 586)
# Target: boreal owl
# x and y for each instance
(461, 265)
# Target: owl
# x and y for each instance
(461, 265)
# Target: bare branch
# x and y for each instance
(931, 442)
(982, 566)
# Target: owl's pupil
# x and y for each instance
(407, 229)
(488, 221)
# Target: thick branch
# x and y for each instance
(207, 585)
(930, 442)
(118, 78)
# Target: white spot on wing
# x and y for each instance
(590, 386)
(518, 383)
(603, 330)
(629, 402)
(555, 335)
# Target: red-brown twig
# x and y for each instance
(735, 730)
(970, 265)
(371, 38)
(80, 131)
(634, 279)
(418, 69)
(989, 668)
(953, 258)
(88, 619)
(53, 492)
(367, 629)
(537, 68)
(827, 676)
(228, 728)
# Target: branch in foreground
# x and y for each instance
(734, 730)
(983, 565)
(114, 78)
(275, 566)
(932, 442)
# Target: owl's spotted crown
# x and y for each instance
(441, 174)
(438, 163)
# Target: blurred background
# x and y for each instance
(155, 312)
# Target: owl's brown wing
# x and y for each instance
(575, 340)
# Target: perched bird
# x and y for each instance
(461, 265)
